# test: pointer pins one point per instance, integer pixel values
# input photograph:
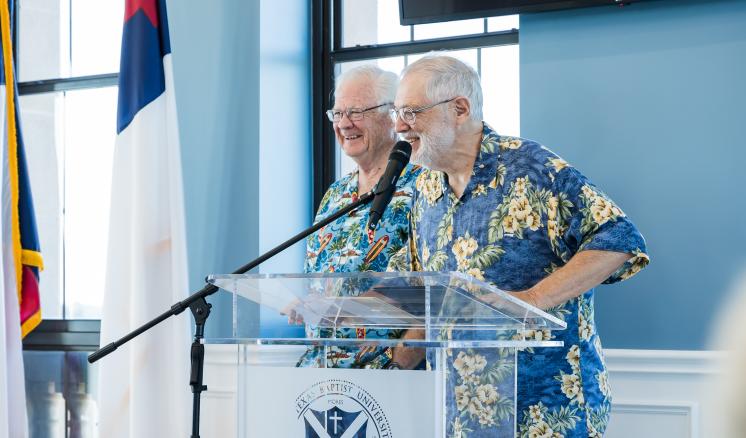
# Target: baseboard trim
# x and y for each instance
(664, 361)
(668, 408)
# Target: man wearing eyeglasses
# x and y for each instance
(366, 134)
(508, 211)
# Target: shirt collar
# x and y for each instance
(485, 164)
(489, 150)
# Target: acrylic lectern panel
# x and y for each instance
(436, 302)
(468, 328)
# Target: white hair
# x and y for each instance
(383, 83)
(447, 77)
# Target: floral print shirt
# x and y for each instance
(524, 213)
(344, 246)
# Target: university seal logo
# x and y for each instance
(341, 409)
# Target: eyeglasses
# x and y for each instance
(409, 115)
(354, 114)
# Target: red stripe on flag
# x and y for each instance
(30, 303)
(149, 8)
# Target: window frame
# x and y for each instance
(328, 52)
(61, 334)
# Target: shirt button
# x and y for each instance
(481, 166)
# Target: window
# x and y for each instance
(67, 59)
(369, 32)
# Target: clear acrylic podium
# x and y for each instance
(467, 331)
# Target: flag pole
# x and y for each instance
(200, 309)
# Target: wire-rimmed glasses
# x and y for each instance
(409, 115)
(354, 114)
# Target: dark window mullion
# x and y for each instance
(362, 53)
(337, 25)
(68, 84)
(324, 157)
(64, 335)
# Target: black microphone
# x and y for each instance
(386, 186)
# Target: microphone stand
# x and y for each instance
(201, 310)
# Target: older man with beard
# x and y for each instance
(509, 211)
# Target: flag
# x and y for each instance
(144, 386)
(20, 310)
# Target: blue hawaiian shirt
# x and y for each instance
(344, 246)
(524, 213)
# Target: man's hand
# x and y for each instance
(409, 357)
(294, 317)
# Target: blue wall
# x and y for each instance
(285, 140)
(648, 101)
(223, 57)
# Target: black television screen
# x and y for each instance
(434, 11)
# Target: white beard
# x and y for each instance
(433, 147)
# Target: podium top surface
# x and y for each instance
(445, 305)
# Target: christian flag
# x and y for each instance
(20, 259)
(144, 388)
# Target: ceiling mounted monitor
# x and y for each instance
(435, 11)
